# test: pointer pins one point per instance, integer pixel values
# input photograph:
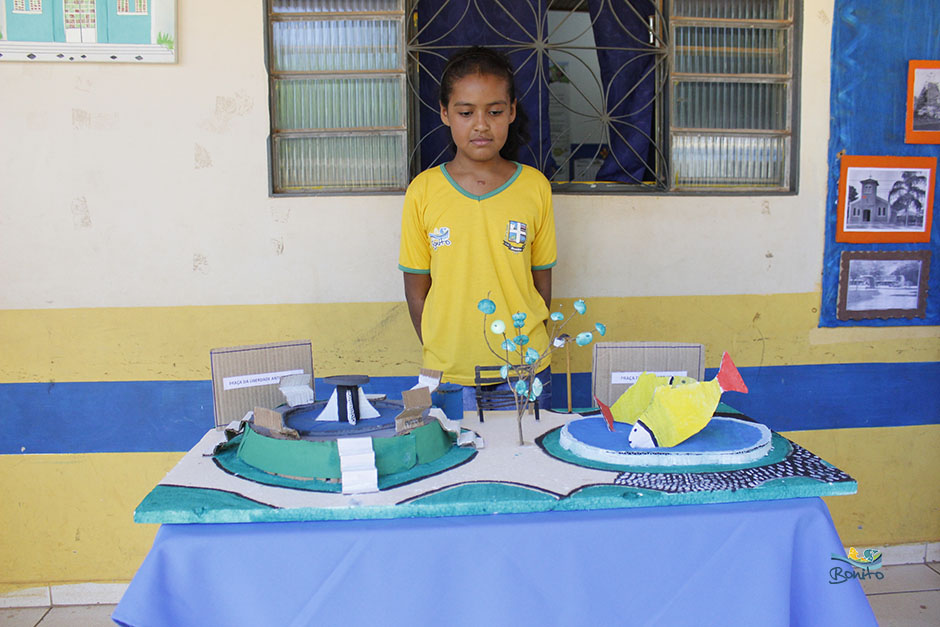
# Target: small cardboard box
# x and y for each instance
(244, 377)
(618, 364)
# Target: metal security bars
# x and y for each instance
(622, 95)
(590, 74)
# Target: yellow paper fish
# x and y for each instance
(664, 412)
(638, 396)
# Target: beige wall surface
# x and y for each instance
(147, 185)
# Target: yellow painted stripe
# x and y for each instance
(173, 343)
(898, 499)
(69, 518)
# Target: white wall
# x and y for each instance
(126, 185)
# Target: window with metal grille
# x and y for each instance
(621, 96)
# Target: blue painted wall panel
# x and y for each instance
(872, 42)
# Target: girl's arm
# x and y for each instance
(417, 287)
(543, 285)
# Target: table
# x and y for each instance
(753, 563)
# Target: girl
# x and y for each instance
(478, 226)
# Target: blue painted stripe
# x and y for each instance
(837, 396)
(829, 396)
(119, 417)
(105, 417)
(148, 416)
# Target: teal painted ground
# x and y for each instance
(228, 460)
(175, 504)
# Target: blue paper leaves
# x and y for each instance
(583, 339)
(486, 306)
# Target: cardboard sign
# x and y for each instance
(617, 364)
(244, 377)
(417, 401)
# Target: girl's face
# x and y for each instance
(479, 114)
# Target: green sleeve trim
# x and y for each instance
(414, 270)
(545, 267)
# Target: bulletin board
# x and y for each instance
(872, 44)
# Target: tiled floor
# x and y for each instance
(58, 616)
(907, 596)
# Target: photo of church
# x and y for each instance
(892, 198)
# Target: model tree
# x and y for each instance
(520, 362)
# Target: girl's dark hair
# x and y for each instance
(480, 60)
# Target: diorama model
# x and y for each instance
(665, 441)
(352, 441)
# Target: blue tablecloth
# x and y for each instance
(757, 563)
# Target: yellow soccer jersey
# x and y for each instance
(476, 247)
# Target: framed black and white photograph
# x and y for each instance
(885, 199)
(883, 284)
(923, 103)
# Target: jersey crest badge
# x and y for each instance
(515, 236)
(439, 237)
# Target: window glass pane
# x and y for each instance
(711, 50)
(345, 162)
(752, 106)
(338, 103)
(338, 119)
(732, 83)
(335, 45)
(710, 160)
(733, 9)
(333, 6)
